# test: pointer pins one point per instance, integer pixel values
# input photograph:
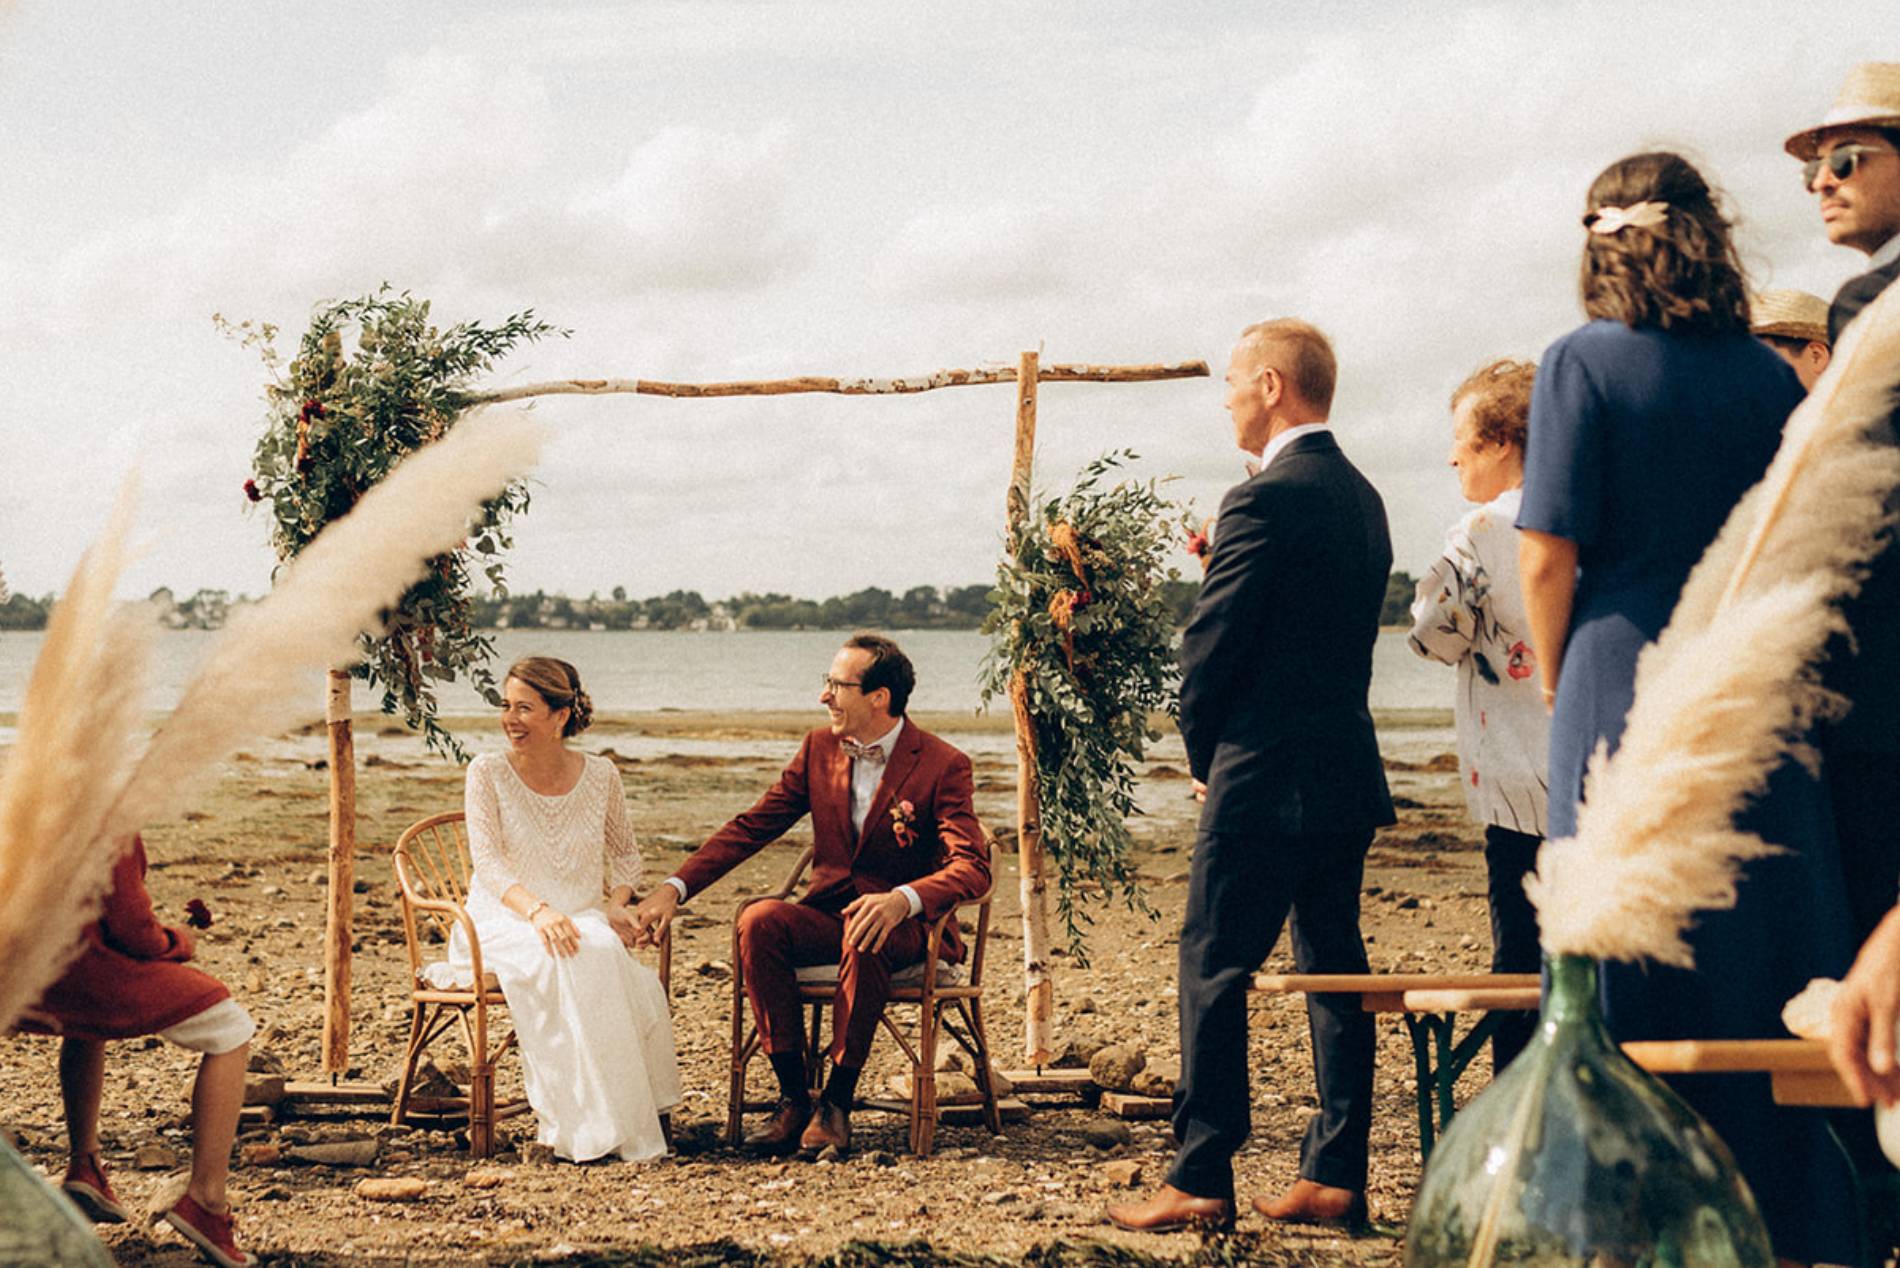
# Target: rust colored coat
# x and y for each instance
(945, 858)
(131, 978)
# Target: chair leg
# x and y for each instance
(923, 1083)
(400, 1113)
(992, 1113)
(743, 1050)
(481, 1110)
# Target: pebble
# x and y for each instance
(487, 1177)
(336, 1153)
(1106, 1133)
(154, 1158)
(264, 1154)
(536, 1154)
(1123, 1173)
(879, 1158)
(391, 1189)
(1116, 1066)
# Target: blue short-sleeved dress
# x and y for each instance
(1641, 442)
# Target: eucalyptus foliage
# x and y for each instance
(339, 418)
(1080, 611)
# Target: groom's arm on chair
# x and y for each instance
(784, 804)
(965, 873)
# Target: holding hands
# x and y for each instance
(643, 925)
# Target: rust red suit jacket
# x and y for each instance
(944, 856)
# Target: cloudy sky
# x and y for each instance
(714, 190)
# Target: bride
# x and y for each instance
(544, 823)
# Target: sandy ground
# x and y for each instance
(255, 853)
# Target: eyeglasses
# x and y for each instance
(1841, 162)
(835, 685)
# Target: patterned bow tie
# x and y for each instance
(872, 753)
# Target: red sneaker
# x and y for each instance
(213, 1235)
(87, 1186)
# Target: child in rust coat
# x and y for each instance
(131, 979)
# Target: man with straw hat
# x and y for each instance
(1852, 164)
(1794, 324)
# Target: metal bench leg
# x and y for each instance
(1417, 1027)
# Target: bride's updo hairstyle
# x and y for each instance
(1658, 252)
(559, 686)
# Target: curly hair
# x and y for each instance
(1500, 401)
(1682, 275)
(559, 686)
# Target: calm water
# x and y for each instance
(637, 670)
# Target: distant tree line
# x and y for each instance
(918, 608)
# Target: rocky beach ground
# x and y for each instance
(254, 852)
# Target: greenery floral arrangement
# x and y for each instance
(1082, 642)
(339, 419)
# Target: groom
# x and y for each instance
(896, 845)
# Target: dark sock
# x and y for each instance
(842, 1088)
(790, 1069)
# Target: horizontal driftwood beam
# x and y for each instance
(841, 387)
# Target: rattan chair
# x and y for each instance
(433, 868)
(944, 995)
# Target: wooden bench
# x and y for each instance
(1799, 1074)
(1428, 1004)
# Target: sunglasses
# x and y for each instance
(1842, 162)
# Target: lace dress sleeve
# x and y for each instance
(623, 852)
(481, 812)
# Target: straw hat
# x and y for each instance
(1790, 314)
(1870, 99)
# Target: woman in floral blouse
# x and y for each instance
(1469, 612)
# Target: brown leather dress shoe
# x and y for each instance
(1171, 1210)
(780, 1136)
(1309, 1202)
(830, 1126)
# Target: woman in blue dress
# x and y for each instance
(1647, 425)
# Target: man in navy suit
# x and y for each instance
(1276, 663)
(1853, 170)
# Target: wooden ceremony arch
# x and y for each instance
(1028, 374)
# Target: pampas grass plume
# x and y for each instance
(264, 673)
(73, 789)
(83, 707)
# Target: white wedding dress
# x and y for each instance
(596, 1038)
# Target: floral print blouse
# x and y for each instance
(1469, 612)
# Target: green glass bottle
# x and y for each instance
(1576, 1155)
(38, 1226)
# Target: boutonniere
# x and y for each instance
(904, 824)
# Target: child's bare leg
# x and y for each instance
(82, 1081)
(216, 1100)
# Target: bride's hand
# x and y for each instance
(558, 933)
(620, 918)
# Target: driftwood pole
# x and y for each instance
(1039, 992)
(336, 929)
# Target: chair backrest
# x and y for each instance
(432, 866)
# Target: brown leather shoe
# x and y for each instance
(780, 1136)
(1171, 1210)
(1309, 1202)
(828, 1127)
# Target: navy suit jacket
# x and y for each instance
(1277, 658)
(1871, 678)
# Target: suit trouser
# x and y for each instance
(1510, 856)
(1241, 889)
(777, 937)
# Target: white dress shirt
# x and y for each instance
(1286, 438)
